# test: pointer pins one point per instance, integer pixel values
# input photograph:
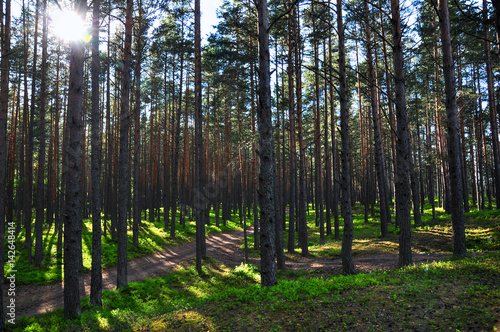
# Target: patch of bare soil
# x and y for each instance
(36, 299)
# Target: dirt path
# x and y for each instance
(36, 299)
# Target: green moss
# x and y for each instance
(459, 294)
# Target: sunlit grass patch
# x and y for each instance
(152, 238)
(458, 294)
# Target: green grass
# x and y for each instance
(459, 295)
(482, 233)
(152, 238)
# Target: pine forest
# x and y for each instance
(292, 165)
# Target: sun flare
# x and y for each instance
(69, 26)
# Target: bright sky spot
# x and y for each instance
(209, 16)
(68, 25)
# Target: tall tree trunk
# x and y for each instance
(278, 184)
(108, 197)
(415, 190)
(123, 191)
(430, 162)
(137, 131)
(333, 126)
(24, 171)
(11, 156)
(267, 172)
(200, 201)
(29, 169)
(385, 214)
(96, 273)
(463, 152)
(292, 141)
(73, 205)
(390, 96)
(4, 105)
(457, 207)
(478, 135)
(328, 166)
(317, 140)
(49, 216)
(302, 200)
(255, 182)
(492, 105)
(40, 181)
(166, 159)
(176, 131)
(403, 155)
(346, 205)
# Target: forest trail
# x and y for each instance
(225, 247)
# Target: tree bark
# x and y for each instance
(200, 200)
(403, 155)
(123, 191)
(29, 169)
(346, 252)
(40, 181)
(317, 139)
(292, 139)
(137, 131)
(492, 105)
(4, 105)
(96, 273)
(267, 167)
(385, 212)
(302, 201)
(457, 207)
(73, 205)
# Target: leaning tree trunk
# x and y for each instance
(457, 207)
(266, 176)
(403, 155)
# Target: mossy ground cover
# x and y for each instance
(434, 236)
(461, 295)
(152, 238)
(458, 295)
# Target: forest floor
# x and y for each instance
(166, 293)
(225, 247)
